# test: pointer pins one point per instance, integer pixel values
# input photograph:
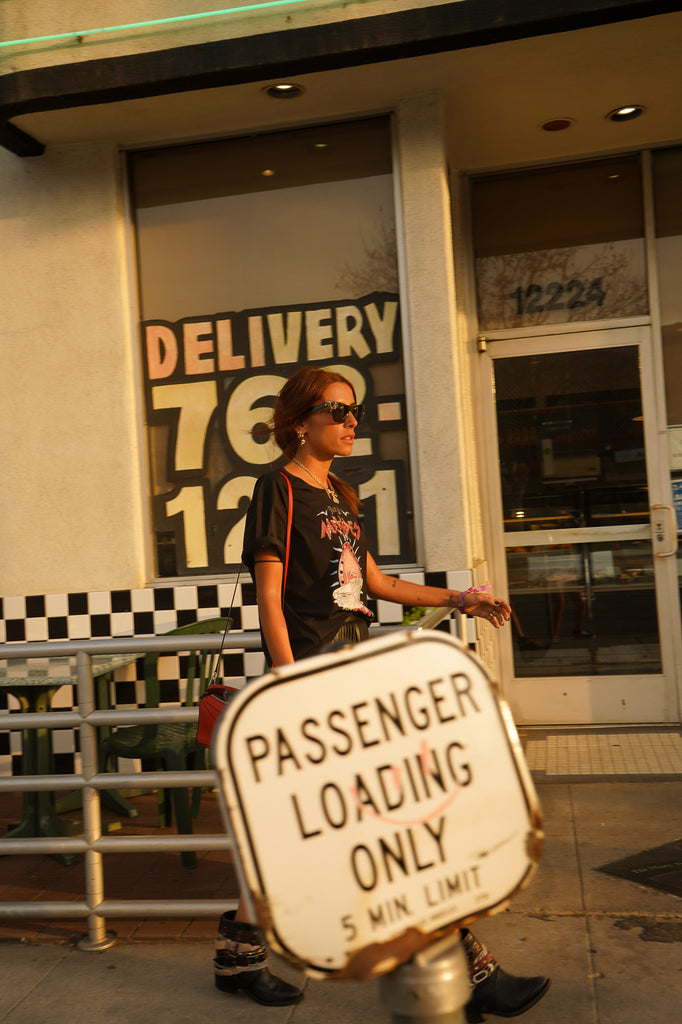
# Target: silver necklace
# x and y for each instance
(331, 493)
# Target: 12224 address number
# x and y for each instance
(555, 296)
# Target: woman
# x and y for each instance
(323, 602)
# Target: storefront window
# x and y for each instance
(560, 244)
(257, 256)
(581, 602)
(571, 440)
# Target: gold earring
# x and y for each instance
(301, 439)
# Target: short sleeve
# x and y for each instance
(266, 519)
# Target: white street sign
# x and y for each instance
(377, 797)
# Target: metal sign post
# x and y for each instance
(377, 798)
(431, 988)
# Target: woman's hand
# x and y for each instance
(485, 606)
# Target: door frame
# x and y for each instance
(589, 700)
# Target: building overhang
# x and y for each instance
(302, 51)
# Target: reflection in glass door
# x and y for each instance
(578, 546)
(571, 443)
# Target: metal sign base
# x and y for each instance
(431, 988)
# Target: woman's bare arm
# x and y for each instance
(268, 570)
(390, 588)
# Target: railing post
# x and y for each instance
(431, 988)
(97, 937)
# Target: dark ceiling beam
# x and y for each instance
(295, 52)
(18, 142)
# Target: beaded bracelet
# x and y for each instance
(471, 590)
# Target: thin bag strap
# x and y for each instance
(290, 515)
(214, 674)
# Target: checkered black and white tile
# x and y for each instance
(145, 612)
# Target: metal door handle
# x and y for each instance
(659, 530)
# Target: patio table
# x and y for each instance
(34, 682)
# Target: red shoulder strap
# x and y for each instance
(290, 514)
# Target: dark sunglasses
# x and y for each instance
(340, 411)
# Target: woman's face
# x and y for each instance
(325, 437)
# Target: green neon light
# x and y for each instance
(158, 21)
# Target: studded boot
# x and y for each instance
(495, 991)
(240, 963)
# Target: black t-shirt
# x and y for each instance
(327, 572)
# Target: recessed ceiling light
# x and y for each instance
(267, 173)
(626, 113)
(557, 124)
(284, 90)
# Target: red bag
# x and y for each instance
(211, 706)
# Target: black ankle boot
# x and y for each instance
(240, 960)
(495, 991)
(504, 995)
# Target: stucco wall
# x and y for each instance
(70, 503)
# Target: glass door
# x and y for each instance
(587, 538)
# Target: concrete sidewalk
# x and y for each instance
(612, 947)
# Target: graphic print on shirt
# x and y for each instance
(347, 580)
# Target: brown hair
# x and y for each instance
(303, 390)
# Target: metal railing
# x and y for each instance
(95, 908)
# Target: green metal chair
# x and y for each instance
(173, 746)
